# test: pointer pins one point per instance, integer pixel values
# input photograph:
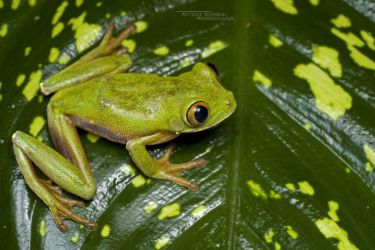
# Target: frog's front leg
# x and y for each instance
(106, 58)
(73, 176)
(161, 168)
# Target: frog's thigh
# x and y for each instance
(83, 72)
(67, 141)
(28, 149)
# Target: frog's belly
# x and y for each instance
(102, 131)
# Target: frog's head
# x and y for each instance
(204, 102)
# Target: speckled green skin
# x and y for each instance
(129, 105)
(129, 108)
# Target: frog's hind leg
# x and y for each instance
(29, 150)
(109, 44)
(107, 58)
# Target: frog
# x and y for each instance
(98, 94)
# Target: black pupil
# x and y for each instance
(200, 114)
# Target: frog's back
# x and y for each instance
(128, 102)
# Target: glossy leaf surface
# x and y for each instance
(292, 168)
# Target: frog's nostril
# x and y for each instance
(228, 103)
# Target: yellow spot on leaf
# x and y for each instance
(127, 169)
(161, 51)
(331, 98)
(369, 167)
(98, 4)
(277, 246)
(189, 42)
(79, 3)
(42, 228)
(370, 155)
(15, 4)
(57, 29)
(4, 30)
(269, 235)
(286, 6)
(85, 33)
(27, 51)
(75, 237)
(53, 54)
(36, 125)
(333, 207)
(185, 62)
(59, 12)
(32, 3)
(169, 211)
(138, 181)
(258, 77)
(293, 234)
(106, 231)
(108, 15)
(123, 13)
(151, 206)
(369, 39)
(274, 41)
(213, 48)
(130, 44)
(1, 4)
(20, 79)
(40, 98)
(256, 189)
(274, 195)
(330, 229)
(32, 86)
(199, 211)
(290, 186)
(92, 138)
(162, 242)
(314, 2)
(141, 26)
(327, 58)
(341, 21)
(349, 38)
(306, 188)
(64, 58)
(307, 126)
(361, 59)
(347, 170)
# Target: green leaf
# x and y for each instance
(292, 168)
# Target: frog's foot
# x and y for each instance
(110, 44)
(172, 172)
(60, 212)
(56, 191)
(50, 186)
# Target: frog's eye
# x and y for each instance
(197, 113)
(213, 67)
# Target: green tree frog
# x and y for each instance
(133, 109)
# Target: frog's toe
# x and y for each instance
(49, 184)
(110, 44)
(187, 166)
(172, 172)
(61, 212)
(70, 202)
(176, 178)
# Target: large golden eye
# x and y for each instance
(197, 113)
